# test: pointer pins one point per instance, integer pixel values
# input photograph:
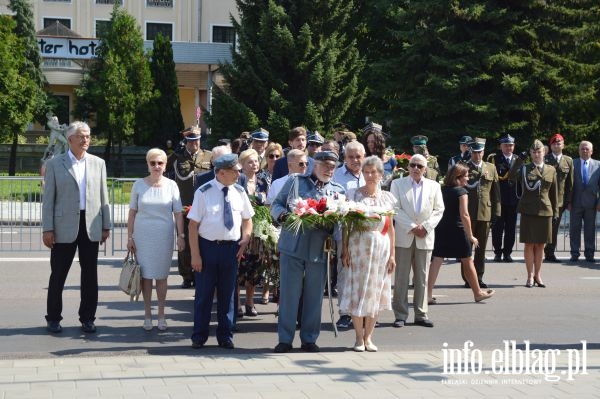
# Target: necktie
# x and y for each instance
(585, 173)
(227, 214)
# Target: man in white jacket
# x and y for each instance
(418, 211)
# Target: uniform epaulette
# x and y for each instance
(239, 188)
(491, 158)
(205, 187)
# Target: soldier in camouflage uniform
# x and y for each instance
(419, 144)
(186, 165)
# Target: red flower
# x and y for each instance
(322, 205)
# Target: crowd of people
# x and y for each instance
(208, 204)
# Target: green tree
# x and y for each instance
(297, 64)
(118, 84)
(166, 103)
(481, 68)
(33, 99)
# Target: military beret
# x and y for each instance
(477, 145)
(260, 135)
(326, 156)
(556, 137)
(465, 140)
(192, 133)
(315, 137)
(508, 139)
(226, 161)
(419, 140)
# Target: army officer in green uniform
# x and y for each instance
(419, 144)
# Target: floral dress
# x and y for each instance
(367, 286)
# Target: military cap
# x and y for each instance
(226, 161)
(373, 127)
(477, 145)
(465, 140)
(556, 137)
(419, 140)
(342, 127)
(326, 156)
(192, 133)
(260, 135)
(508, 139)
(315, 137)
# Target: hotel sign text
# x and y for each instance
(66, 47)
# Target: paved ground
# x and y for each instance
(122, 360)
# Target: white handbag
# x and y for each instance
(130, 281)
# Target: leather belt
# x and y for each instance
(223, 242)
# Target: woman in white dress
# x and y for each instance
(154, 209)
(369, 257)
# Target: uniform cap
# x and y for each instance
(315, 137)
(556, 137)
(326, 156)
(477, 145)
(419, 140)
(226, 161)
(373, 127)
(260, 135)
(192, 133)
(508, 139)
(465, 140)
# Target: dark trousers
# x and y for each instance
(588, 217)
(61, 258)
(481, 231)
(507, 224)
(550, 248)
(219, 270)
(184, 258)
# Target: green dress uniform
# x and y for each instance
(538, 203)
(564, 179)
(433, 168)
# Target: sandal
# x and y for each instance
(264, 301)
(432, 301)
(162, 324)
(487, 294)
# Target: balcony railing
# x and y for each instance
(111, 2)
(159, 3)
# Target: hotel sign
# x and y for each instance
(67, 47)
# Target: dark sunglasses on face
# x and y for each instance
(416, 165)
(274, 156)
(302, 164)
(154, 163)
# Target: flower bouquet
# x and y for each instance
(361, 217)
(315, 214)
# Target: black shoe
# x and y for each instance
(187, 284)
(528, 284)
(282, 347)
(53, 327)
(334, 293)
(551, 258)
(574, 258)
(344, 322)
(467, 285)
(226, 344)
(310, 347)
(424, 323)
(482, 284)
(398, 323)
(508, 259)
(538, 283)
(592, 260)
(376, 325)
(197, 344)
(498, 258)
(88, 327)
(251, 311)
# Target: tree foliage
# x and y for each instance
(118, 84)
(486, 68)
(297, 64)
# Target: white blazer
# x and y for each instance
(432, 209)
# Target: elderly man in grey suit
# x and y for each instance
(75, 216)
(584, 202)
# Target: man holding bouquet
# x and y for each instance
(303, 260)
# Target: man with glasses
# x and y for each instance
(484, 202)
(75, 217)
(418, 211)
(297, 164)
(315, 141)
(220, 228)
(303, 260)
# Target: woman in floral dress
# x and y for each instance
(368, 253)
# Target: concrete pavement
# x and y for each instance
(122, 360)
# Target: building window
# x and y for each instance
(159, 3)
(152, 29)
(49, 21)
(111, 2)
(223, 34)
(102, 27)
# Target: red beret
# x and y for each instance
(556, 137)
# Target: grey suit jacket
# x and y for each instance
(60, 205)
(585, 197)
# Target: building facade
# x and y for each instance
(200, 31)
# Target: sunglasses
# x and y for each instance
(302, 164)
(155, 163)
(274, 156)
(416, 165)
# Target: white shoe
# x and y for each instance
(162, 324)
(370, 347)
(148, 324)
